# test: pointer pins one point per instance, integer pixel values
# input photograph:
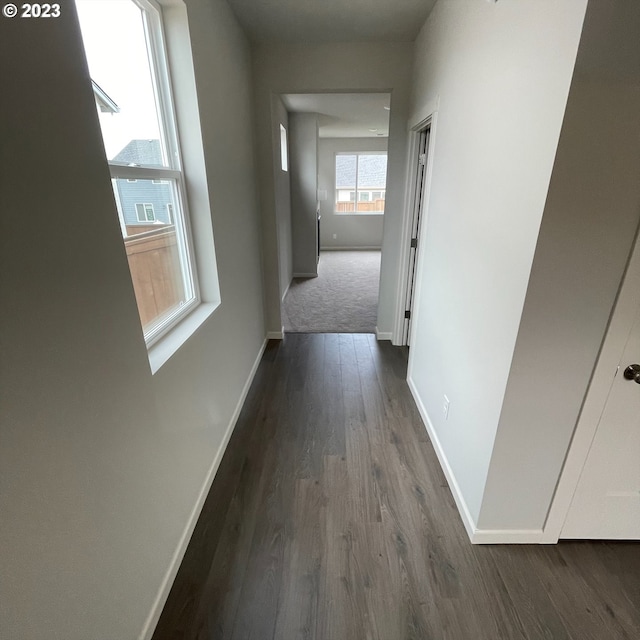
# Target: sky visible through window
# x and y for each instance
(115, 44)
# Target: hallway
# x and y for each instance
(330, 518)
(342, 299)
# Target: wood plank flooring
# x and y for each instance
(330, 519)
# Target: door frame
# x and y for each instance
(625, 310)
(428, 119)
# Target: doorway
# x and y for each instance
(598, 496)
(337, 172)
(419, 205)
(418, 172)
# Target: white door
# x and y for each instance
(418, 206)
(606, 503)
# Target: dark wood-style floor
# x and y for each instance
(330, 518)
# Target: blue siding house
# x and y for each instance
(144, 202)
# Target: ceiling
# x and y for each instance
(332, 20)
(344, 115)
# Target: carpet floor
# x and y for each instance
(342, 299)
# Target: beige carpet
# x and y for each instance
(342, 299)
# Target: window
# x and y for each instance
(144, 212)
(361, 180)
(284, 160)
(124, 45)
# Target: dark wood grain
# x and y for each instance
(330, 519)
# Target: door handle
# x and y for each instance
(632, 372)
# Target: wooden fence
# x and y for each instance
(363, 207)
(154, 262)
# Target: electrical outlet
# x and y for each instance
(445, 408)
(335, 236)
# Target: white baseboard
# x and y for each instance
(507, 536)
(383, 335)
(161, 598)
(305, 275)
(476, 536)
(467, 519)
(275, 335)
(284, 295)
(378, 248)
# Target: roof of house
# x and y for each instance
(105, 103)
(143, 152)
(372, 171)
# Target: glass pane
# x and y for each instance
(372, 175)
(372, 172)
(345, 182)
(284, 162)
(123, 82)
(155, 246)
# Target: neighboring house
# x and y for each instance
(104, 103)
(144, 201)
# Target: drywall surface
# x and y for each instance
(500, 74)
(587, 231)
(282, 186)
(352, 231)
(352, 67)
(101, 463)
(304, 192)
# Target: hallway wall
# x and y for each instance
(102, 464)
(304, 193)
(379, 67)
(590, 220)
(498, 76)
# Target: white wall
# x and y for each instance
(378, 67)
(359, 230)
(282, 195)
(500, 74)
(304, 193)
(590, 219)
(101, 463)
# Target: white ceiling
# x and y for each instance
(332, 20)
(344, 115)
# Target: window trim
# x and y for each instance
(335, 189)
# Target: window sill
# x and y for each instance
(166, 346)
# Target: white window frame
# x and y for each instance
(173, 173)
(356, 200)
